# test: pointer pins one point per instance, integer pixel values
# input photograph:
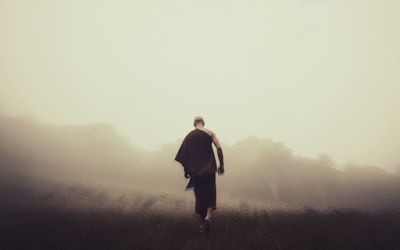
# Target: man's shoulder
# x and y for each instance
(205, 130)
(208, 131)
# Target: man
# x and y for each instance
(197, 158)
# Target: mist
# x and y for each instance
(96, 97)
(94, 166)
(320, 76)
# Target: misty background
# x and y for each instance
(319, 76)
(93, 166)
(96, 96)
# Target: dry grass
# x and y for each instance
(55, 228)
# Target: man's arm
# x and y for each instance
(221, 168)
(215, 140)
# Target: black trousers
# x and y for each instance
(205, 193)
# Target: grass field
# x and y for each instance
(55, 228)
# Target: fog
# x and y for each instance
(92, 165)
(319, 76)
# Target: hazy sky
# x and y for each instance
(319, 76)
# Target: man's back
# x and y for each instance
(196, 153)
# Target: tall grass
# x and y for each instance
(55, 228)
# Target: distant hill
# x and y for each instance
(81, 164)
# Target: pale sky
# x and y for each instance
(319, 76)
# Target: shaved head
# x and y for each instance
(198, 119)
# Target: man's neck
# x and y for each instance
(200, 127)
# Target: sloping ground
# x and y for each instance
(55, 228)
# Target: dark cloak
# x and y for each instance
(196, 153)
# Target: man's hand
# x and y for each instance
(186, 174)
(221, 170)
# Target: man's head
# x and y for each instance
(198, 120)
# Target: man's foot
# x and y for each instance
(206, 226)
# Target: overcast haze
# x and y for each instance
(319, 76)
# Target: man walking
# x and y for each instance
(197, 158)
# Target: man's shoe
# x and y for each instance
(206, 226)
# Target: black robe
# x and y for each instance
(197, 157)
(196, 153)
